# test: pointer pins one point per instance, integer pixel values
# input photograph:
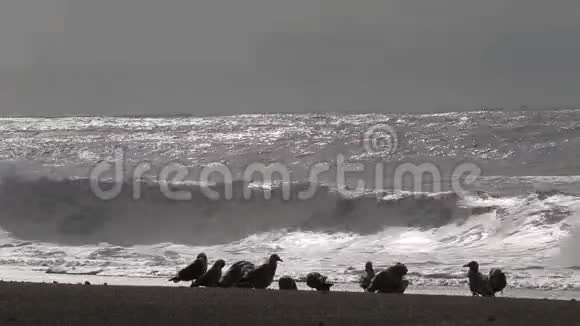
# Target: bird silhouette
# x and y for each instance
(287, 283)
(193, 270)
(390, 280)
(262, 276)
(212, 277)
(318, 282)
(366, 278)
(485, 285)
(235, 273)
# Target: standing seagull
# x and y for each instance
(287, 283)
(366, 278)
(485, 285)
(212, 277)
(477, 281)
(262, 277)
(318, 282)
(193, 271)
(390, 280)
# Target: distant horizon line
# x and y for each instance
(206, 115)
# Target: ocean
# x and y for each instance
(521, 212)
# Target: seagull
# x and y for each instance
(212, 277)
(235, 273)
(485, 285)
(318, 282)
(390, 280)
(287, 283)
(192, 271)
(262, 276)
(366, 278)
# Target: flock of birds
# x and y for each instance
(244, 274)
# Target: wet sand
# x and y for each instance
(61, 304)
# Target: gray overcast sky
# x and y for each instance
(232, 56)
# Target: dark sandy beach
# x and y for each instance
(59, 304)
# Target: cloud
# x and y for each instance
(227, 56)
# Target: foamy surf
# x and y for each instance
(523, 235)
(54, 227)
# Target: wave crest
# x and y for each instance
(66, 211)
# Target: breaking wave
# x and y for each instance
(59, 226)
(526, 220)
(67, 211)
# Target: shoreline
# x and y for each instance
(55, 304)
(24, 275)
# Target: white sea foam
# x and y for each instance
(526, 224)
